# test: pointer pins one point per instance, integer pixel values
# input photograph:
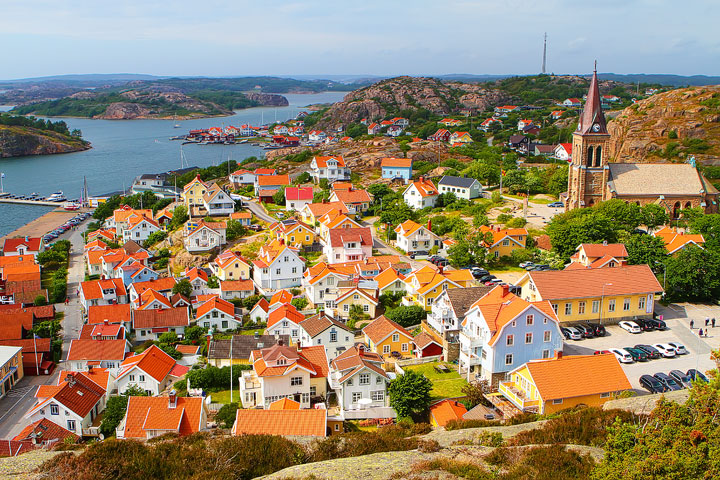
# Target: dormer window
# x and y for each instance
(280, 361)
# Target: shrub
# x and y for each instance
(40, 300)
(226, 415)
(428, 446)
(463, 424)
(489, 439)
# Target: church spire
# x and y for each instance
(592, 119)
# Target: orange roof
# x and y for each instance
(297, 423)
(381, 328)
(499, 234)
(195, 273)
(592, 282)
(598, 250)
(79, 394)
(215, 303)
(285, 312)
(118, 313)
(322, 161)
(320, 209)
(161, 318)
(152, 361)
(13, 259)
(269, 180)
(92, 289)
(149, 296)
(352, 196)
(425, 187)
(284, 404)
(240, 215)
(558, 377)
(237, 286)
(408, 226)
(342, 186)
(146, 413)
(447, 410)
(188, 349)
(281, 296)
(161, 284)
(98, 375)
(82, 349)
(674, 241)
(44, 431)
(396, 162)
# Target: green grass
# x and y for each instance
(506, 268)
(445, 385)
(223, 396)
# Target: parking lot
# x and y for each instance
(679, 331)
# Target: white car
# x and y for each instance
(631, 327)
(666, 350)
(571, 333)
(679, 348)
(622, 355)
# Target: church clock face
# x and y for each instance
(596, 127)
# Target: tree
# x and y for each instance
(397, 212)
(213, 282)
(484, 172)
(235, 230)
(251, 301)
(410, 394)
(568, 230)
(645, 249)
(300, 303)
(115, 409)
(180, 216)
(170, 350)
(626, 216)
(407, 316)
(226, 415)
(279, 196)
(168, 337)
(302, 178)
(40, 300)
(183, 287)
(195, 332)
(155, 237)
(355, 315)
(692, 275)
(654, 215)
(459, 255)
(475, 393)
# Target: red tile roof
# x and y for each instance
(152, 361)
(285, 312)
(425, 187)
(381, 328)
(338, 236)
(145, 413)
(297, 423)
(352, 196)
(322, 161)
(161, 318)
(160, 285)
(29, 345)
(76, 392)
(81, 349)
(447, 410)
(284, 404)
(271, 180)
(215, 303)
(45, 431)
(396, 162)
(598, 250)
(92, 289)
(237, 286)
(33, 244)
(299, 193)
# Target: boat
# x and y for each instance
(71, 206)
(178, 137)
(56, 197)
(177, 125)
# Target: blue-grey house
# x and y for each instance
(397, 168)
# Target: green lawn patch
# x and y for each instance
(445, 385)
(506, 268)
(223, 396)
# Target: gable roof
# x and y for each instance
(296, 423)
(32, 244)
(161, 318)
(242, 345)
(45, 431)
(339, 236)
(299, 193)
(76, 392)
(423, 339)
(92, 289)
(320, 322)
(655, 179)
(557, 377)
(284, 404)
(281, 296)
(152, 361)
(381, 328)
(285, 312)
(599, 250)
(146, 413)
(462, 182)
(215, 303)
(462, 299)
(270, 180)
(392, 162)
(82, 349)
(674, 240)
(322, 161)
(426, 188)
(237, 286)
(446, 410)
(161, 284)
(352, 196)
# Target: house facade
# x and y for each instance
(360, 383)
(461, 187)
(413, 237)
(420, 194)
(277, 267)
(331, 168)
(397, 168)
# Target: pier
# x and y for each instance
(42, 203)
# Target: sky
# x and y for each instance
(368, 37)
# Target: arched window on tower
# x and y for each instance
(676, 210)
(590, 157)
(688, 205)
(598, 155)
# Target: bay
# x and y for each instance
(123, 149)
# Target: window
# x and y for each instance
(295, 381)
(356, 396)
(224, 324)
(364, 379)
(611, 305)
(396, 337)
(568, 309)
(349, 382)
(404, 347)
(581, 308)
(508, 359)
(295, 333)
(337, 427)
(54, 410)
(497, 254)
(142, 378)
(277, 271)
(557, 401)
(605, 395)
(596, 306)
(555, 308)
(333, 336)
(378, 396)
(305, 398)
(319, 341)
(71, 425)
(294, 269)
(386, 349)
(626, 304)
(641, 302)
(132, 378)
(528, 338)
(214, 314)
(547, 335)
(509, 340)
(346, 308)
(529, 319)
(313, 390)
(378, 380)
(546, 354)
(366, 308)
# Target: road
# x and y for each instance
(538, 214)
(21, 398)
(258, 211)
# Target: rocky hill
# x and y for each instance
(669, 127)
(17, 141)
(392, 96)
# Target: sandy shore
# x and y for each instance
(44, 224)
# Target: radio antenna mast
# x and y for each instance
(544, 53)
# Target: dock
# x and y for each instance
(41, 203)
(44, 224)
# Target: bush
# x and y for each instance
(155, 237)
(299, 303)
(428, 446)
(40, 300)
(407, 315)
(464, 424)
(226, 415)
(214, 378)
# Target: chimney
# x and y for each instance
(106, 321)
(172, 399)
(429, 227)
(559, 354)
(280, 342)
(257, 334)
(440, 269)
(505, 290)
(90, 367)
(422, 179)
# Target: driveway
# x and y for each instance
(538, 214)
(258, 211)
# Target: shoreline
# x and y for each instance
(45, 223)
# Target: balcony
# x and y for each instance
(517, 397)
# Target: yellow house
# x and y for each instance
(383, 336)
(311, 212)
(347, 297)
(230, 265)
(424, 285)
(504, 241)
(551, 385)
(193, 192)
(294, 234)
(332, 220)
(606, 295)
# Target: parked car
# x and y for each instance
(696, 375)
(637, 354)
(622, 355)
(679, 348)
(556, 204)
(666, 350)
(668, 381)
(585, 330)
(541, 268)
(443, 262)
(419, 253)
(600, 352)
(487, 278)
(682, 378)
(433, 258)
(598, 329)
(658, 324)
(651, 352)
(652, 384)
(530, 267)
(644, 325)
(570, 333)
(255, 227)
(629, 326)
(525, 264)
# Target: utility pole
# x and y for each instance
(231, 364)
(544, 53)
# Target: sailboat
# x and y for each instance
(176, 124)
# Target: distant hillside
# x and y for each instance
(661, 79)
(404, 95)
(548, 89)
(20, 136)
(668, 127)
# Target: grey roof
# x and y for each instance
(461, 182)
(243, 345)
(654, 179)
(462, 299)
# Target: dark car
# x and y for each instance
(585, 330)
(650, 351)
(637, 354)
(645, 325)
(695, 375)
(598, 329)
(433, 258)
(652, 384)
(486, 278)
(442, 262)
(255, 227)
(657, 324)
(419, 253)
(668, 381)
(479, 272)
(682, 378)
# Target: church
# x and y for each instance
(592, 178)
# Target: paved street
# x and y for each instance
(258, 211)
(538, 214)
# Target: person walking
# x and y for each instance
(700, 333)
(713, 322)
(707, 321)
(692, 324)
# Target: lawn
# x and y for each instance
(506, 268)
(223, 396)
(445, 385)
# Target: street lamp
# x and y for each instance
(602, 301)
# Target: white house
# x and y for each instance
(413, 237)
(198, 280)
(151, 323)
(23, 246)
(563, 151)
(277, 266)
(321, 329)
(217, 314)
(321, 281)
(139, 229)
(217, 202)
(450, 307)
(203, 236)
(149, 370)
(242, 177)
(348, 244)
(360, 384)
(317, 136)
(297, 197)
(461, 187)
(285, 320)
(420, 194)
(231, 289)
(102, 292)
(331, 168)
(87, 353)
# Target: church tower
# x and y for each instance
(588, 175)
